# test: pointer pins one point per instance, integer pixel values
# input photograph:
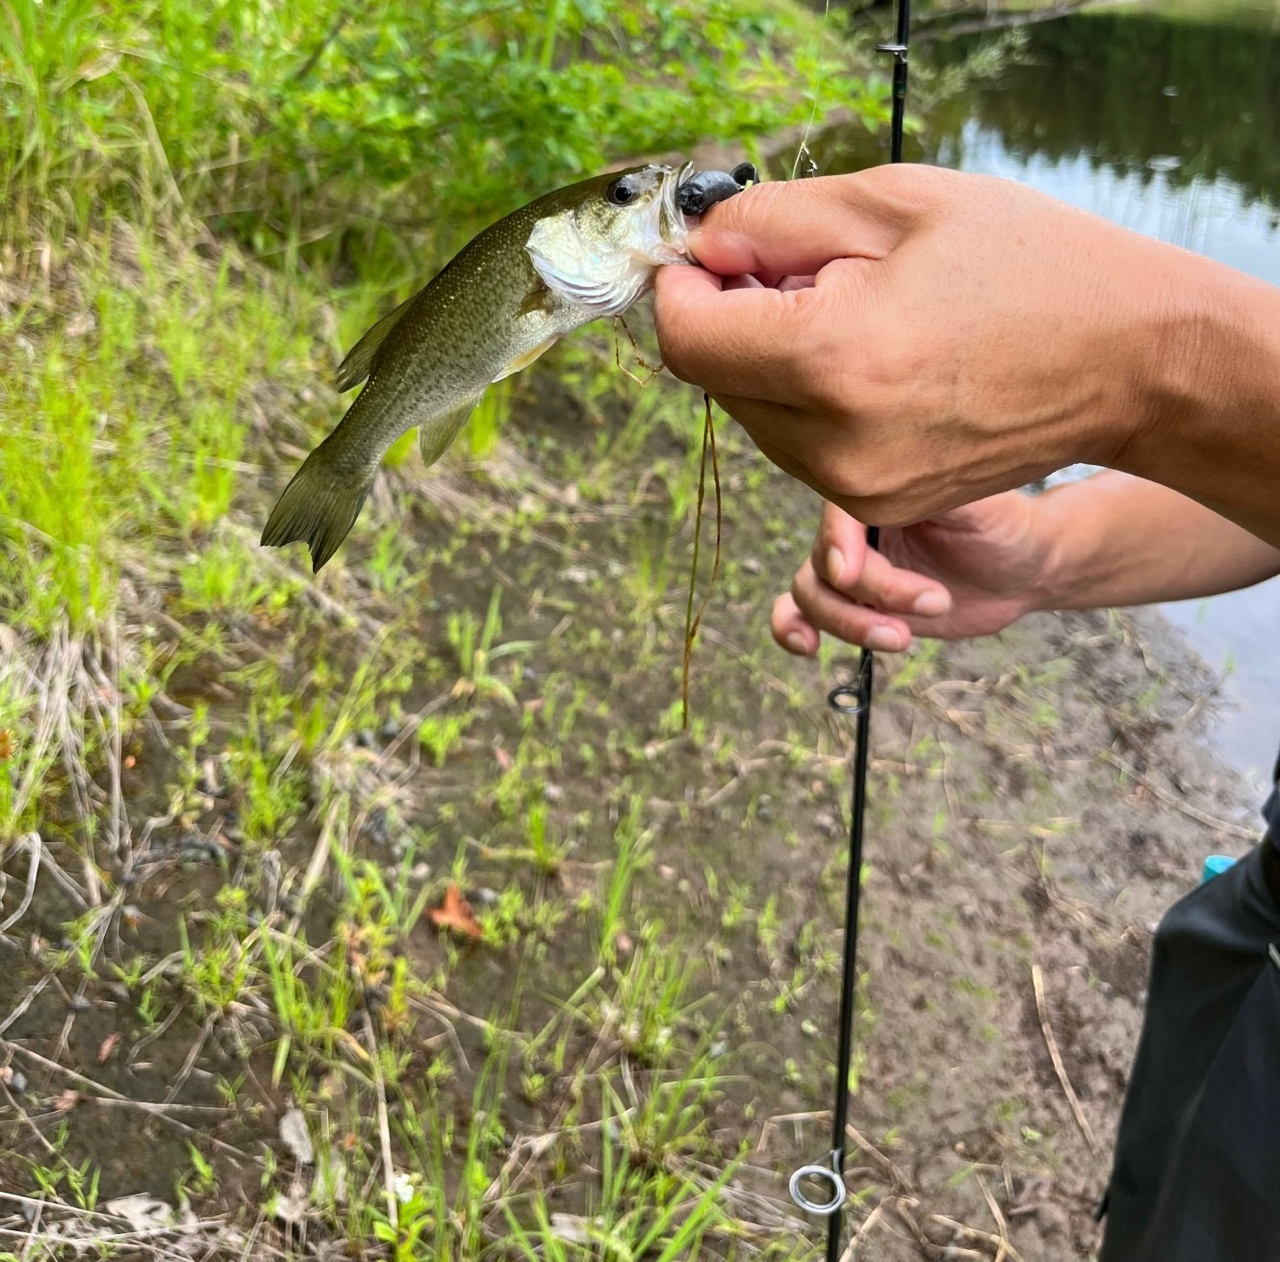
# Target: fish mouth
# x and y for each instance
(669, 224)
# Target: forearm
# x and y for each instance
(1120, 540)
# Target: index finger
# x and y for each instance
(756, 343)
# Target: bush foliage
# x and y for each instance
(306, 121)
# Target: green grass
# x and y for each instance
(125, 436)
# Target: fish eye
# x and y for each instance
(621, 192)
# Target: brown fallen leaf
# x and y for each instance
(108, 1046)
(456, 915)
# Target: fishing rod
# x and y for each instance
(854, 699)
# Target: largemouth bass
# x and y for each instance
(572, 256)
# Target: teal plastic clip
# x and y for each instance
(1215, 865)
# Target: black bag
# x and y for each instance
(1197, 1165)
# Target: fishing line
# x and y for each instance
(691, 621)
(854, 699)
(802, 152)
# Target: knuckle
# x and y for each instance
(736, 214)
(886, 370)
(803, 589)
(892, 511)
(854, 482)
(850, 625)
(914, 185)
(872, 478)
(822, 380)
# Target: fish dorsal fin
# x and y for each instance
(434, 436)
(359, 361)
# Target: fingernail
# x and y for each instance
(884, 640)
(835, 565)
(931, 604)
(796, 643)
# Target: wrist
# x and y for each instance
(1205, 390)
(1114, 539)
(1049, 522)
(1095, 553)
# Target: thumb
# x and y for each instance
(796, 227)
(839, 548)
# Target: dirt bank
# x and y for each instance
(656, 974)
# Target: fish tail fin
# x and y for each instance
(319, 506)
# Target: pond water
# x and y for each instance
(1167, 120)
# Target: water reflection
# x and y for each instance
(1140, 96)
(1164, 121)
(1213, 217)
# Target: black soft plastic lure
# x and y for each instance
(702, 190)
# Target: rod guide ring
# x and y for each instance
(824, 1174)
(847, 698)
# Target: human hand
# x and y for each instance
(968, 572)
(961, 336)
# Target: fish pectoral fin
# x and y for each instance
(539, 298)
(523, 361)
(359, 361)
(434, 436)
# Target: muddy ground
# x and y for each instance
(1037, 799)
